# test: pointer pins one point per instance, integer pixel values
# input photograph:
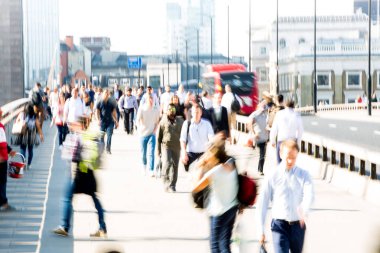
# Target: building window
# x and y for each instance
(324, 80)
(301, 41)
(282, 43)
(263, 51)
(263, 75)
(354, 79)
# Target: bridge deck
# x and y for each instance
(141, 217)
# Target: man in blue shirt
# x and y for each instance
(291, 191)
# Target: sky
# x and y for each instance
(139, 26)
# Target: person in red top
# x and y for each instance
(5, 149)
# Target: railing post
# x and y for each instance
(324, 154)
(309, 149)
(317, 154)
(351, 167)
(373, 171)
(362, 167)
(342, 162)
(333, 157)
(303, 150)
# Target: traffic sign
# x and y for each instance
(134, 63)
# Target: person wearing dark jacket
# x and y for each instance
(219, 116)
(5, 150)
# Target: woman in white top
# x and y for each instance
(220, 175)
(58, 119)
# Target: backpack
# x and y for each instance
(235, 105)
(247, 190)
(91, 151)
(36, 99)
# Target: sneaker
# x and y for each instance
(262, 173)
(7, 208)
(60, 147)
(171, 189)
(99, 233)
(61, 231)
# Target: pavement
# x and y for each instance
(142, 217)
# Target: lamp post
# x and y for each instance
(211, 40)
(249, 37)
(176, 64)
(277, 84)
(228, 34)
(315, 58)
(168, 71)
(187, 69)
(198, 59)
(369, 95)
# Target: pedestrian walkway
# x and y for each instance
(142, 217)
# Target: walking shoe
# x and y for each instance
(7, 208)
(171, 189)
(99, 233)
(61, 231)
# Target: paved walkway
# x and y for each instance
(141, 217)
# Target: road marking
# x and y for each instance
(314, 123)
(332, 125)
(376, 132)
(353, 129)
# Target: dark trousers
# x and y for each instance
(170, 159)
(278, 152)
(193, 156)
(108, 129)
(3, 183)
(68, 207)
(262, 148)
(128, 119)
(287, 236)
(61, 134)
(30, 152)
(221, 231)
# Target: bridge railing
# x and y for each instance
(356, 159)
(337, 107)
(10, 112)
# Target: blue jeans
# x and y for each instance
(3, 183)
(30, 152)
(68, 207)
(151, 140)
(278, 152)
(61, 134)
(221, 231)
(287, 236)
(108, 129)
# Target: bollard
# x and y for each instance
(333, 157)
(362, 168)
(351, 167)
(373, 171)
(303, 150)
(309, 149)
(317, 154)
(342, 162)
(324, 154)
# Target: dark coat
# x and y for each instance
(222, 124)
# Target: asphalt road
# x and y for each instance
(363, 133)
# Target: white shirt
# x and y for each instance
(199, 135)
(156, 104)
(207, 103)
(288, 191)
(53, 99)
(165, 100)
(227, 100)
(224, 189)
(287, 124)
(74, 108)
(181, 96)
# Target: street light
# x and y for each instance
(369, 59)
(228, 33)
(176, 64)
(211, 38)
(187, 69)
(168, 71)
(249, 37)
(277, 86)
(315, 58)
(198, 60)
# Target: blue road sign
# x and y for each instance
(134, 63)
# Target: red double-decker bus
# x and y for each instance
(243, 84)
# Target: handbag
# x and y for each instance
(201, 198)
(247, 190)
(19, 126)
(235, 105)
(262, 249)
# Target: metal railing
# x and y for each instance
(355, 159)
(10, 112)
(337, 107)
